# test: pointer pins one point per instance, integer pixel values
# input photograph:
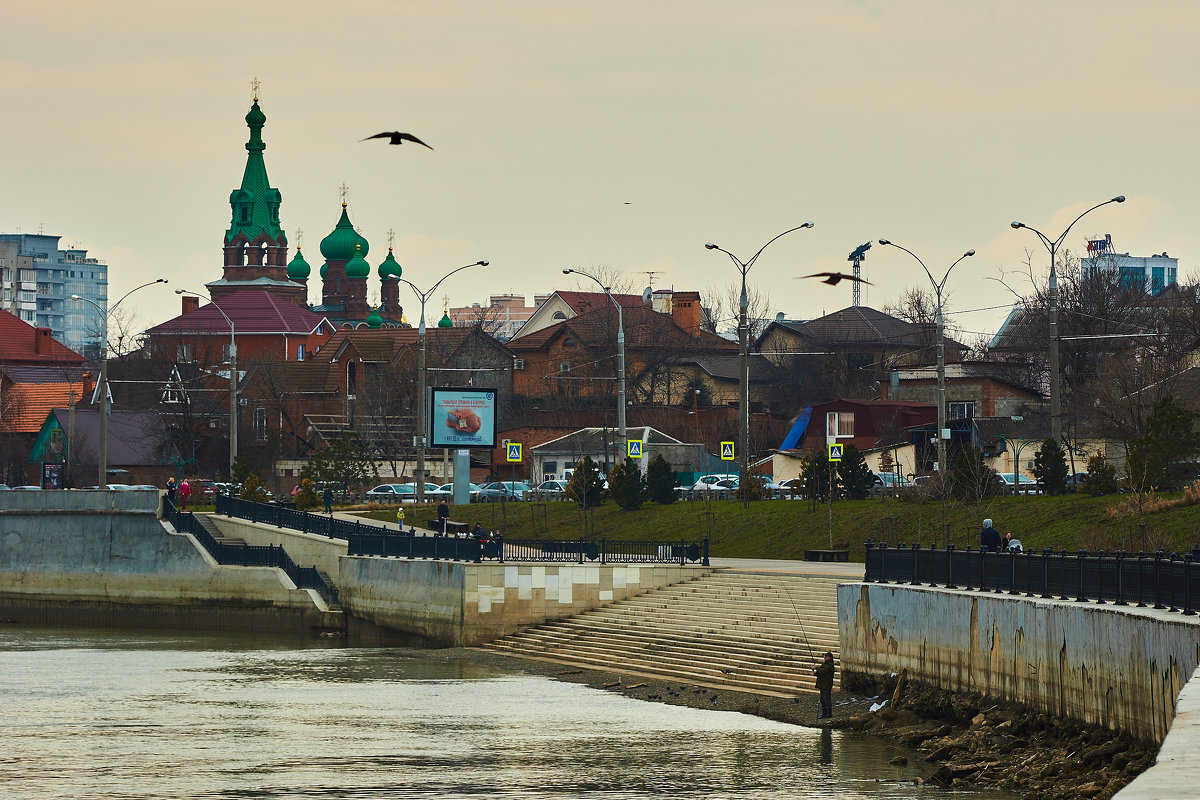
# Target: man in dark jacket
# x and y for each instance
(824, 675)
(443, 516)
(989, 537)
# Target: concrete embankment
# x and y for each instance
(104, 558)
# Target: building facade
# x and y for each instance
(37, 279)
(1154, 273)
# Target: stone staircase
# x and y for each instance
(742, 631)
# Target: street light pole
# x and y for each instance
(938, 287)
(1055, 378)
(233, 392)
(744, 347)
(620, 354)
(102, 388)
(419, 439)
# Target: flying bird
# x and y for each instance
(832, 278)
(396, 137)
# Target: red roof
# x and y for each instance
(32, 402)
(18, 345)
(599, 299)
(252, 311)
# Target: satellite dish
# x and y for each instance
(647, 296)
(779, 317)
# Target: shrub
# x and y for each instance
(660, 481)
(1101, 477)
(626, 485)
(1050, 467)
(253, 489)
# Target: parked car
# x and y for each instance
(707, 482)
(391, 493)
(1010, 484)
(551, 490)
(887, 483)
(791, 488)
(3, 487)
(446, 490)
(508, 490)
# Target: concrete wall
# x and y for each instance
(1117, 666)
(103, 557)
(306, 549)
(453, 604)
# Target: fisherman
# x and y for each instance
(824, 675)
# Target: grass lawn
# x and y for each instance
(785, 528)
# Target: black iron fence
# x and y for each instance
(1162, 580)
(373, 540)
(247, 555)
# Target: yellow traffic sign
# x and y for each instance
(835, 452)
(635, 448)
(514, 451)
(727, 451)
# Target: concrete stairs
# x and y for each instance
(744, 631)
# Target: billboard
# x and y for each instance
(462, 417)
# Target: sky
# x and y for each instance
(616, 136)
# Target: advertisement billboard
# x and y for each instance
(462, 417)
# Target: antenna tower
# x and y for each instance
(857, 257)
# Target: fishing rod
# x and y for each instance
(803, 632)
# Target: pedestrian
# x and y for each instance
(171, 489)
(1012, 543)
(478, 533)
(824, 675)
(989, 537)
(400, 517)
(327, 495)
(185, 491)
(443, 516)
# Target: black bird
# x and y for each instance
(396, 137)
(832, 278)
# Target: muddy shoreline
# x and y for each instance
(967, 739)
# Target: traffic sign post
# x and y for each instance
(835, 452)
(727, 451)
(634, 448)
(514, 452)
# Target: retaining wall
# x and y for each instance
(306, 549)
(1118, 666)
(455, 604)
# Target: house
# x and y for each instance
(564, 305)
(551, 459)
(973, 388)
(138, 448)
(866, 424)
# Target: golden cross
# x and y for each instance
(254, 84)
(345, 190)
(391, 238)
(299, 238)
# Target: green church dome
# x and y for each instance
(324, 269)
(256, 117)
(298, 269)
(374, 320)
(390, 267)
(340, 244)
(445, 321)
(357, 267)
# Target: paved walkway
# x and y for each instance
(827, 569)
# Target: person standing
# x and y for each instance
(989, 537)
(185, 491)
(443, 516)
(824, 675)
(400, 518)
(171, 489)
(327, 496)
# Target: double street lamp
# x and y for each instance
(620, 353)
(102, 386)
(938, 287)
(744, 346)
(419, 439)
(233, 379)
(1052, 246)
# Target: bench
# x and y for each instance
(452, 528)
(826, 555)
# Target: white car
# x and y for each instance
(709, 482)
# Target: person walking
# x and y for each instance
(185, 491)
(443, 516)
(824, 675)
(400, 517)
(327, 496)
(989, 537)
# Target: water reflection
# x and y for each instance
(97, 714)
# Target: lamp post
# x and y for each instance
(419, 439)
(744, 347)
(1052, 245)
(233, 392)
(938, 287)
(620, 353)
(102, 387)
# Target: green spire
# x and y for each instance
(374, 320)
(357, 267)
(256, 204)
(341, 243)
(390, 267)
(298, 269)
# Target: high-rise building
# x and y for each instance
(37, 279)
(1154, 273)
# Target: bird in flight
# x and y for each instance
(832, 278)
(396, 137)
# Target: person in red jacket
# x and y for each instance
(185, 491)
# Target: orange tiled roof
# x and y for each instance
(27, 404)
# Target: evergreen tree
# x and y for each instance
(854, 474)
(1161, 457)
(660, 480)
(1050, 467)
(252, 489)
(626, 485)
(586, 487)
(751, 486)
(306, 498)
(1101, 477)
(243, 468)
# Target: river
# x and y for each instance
(118, 714)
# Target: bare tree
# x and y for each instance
(721, 306)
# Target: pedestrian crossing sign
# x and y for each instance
(727, 451)
(835, 452)
(635, 448)
(514, 451)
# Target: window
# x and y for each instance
(1156, 280)
(564, 366)
(225, 353)
(260, 424)
(300, 353)
(964, 410)
(183, 353)
(568, 342)
(839, 424)
(351, 378)
(549, 467)
(1133, 277)
(559, 316)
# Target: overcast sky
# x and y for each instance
(618, 134)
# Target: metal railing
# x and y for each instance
(373, 540)
(1162, 580)
(246, 555)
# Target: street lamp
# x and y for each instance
(938, 287)
(1055, 378)
(233, 393)
(102, 388)
(620, 353)
(419, 439)
(744, 347)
